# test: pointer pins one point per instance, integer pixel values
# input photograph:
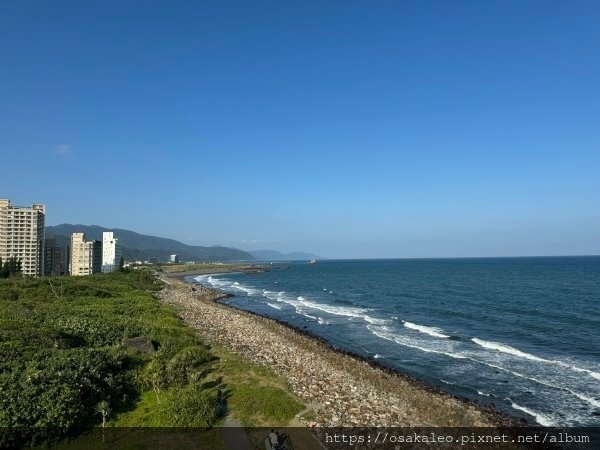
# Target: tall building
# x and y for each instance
(111, 252)
(86, 256)
(22, 235)
(56, 258)
(174, 258)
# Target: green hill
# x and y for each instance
(142, 247)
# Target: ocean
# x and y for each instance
(521, 333)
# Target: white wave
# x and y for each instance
(375, 321)
(591, 373)
(271, 295)
(384, 333)
(273, 305)
(579, 395)
(218, 283)
(508, 349)
(515, 352)
(248, 290)
(377, 356)
(592, 401)
(483, 393)
(540, 418)
(335, 310)
(344, 311)
(431, 331)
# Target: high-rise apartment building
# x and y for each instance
(22, 235)
(111, 252)
(86, 256)
(56, 258)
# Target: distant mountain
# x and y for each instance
(138, 246)
(273, 255)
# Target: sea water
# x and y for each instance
(521, 333)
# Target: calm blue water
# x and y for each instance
(522, 333)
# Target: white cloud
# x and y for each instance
(63, 149)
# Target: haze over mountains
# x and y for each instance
(273, 255)
(142, 247)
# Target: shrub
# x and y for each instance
(187, 362)
(188, 407)
(10, 294)
(85, 290)
(58, 390)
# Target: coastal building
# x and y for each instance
(174, 258)
(22, 235)
(86, 256)
(111, 252)
(56, 258)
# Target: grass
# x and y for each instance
(256, 396)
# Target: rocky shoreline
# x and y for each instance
(341, 388)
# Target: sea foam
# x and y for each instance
(508, 349)
(331, 309)
(503, 348)
(431, 331)
(385, 333)
(540, 418)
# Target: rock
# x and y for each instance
(141, 344)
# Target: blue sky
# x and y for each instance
(344, 128)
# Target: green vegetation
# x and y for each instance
(255, 395)
(11, 267)
(74, 351)
(82, 353)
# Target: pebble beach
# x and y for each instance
(342, 390)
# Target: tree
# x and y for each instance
(11, 267)
(121, 264)
(103, 408)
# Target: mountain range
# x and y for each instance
(141, 247)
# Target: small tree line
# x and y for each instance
(11, 267)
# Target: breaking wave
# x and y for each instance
(431, 331)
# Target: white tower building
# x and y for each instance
(111, 252)
(22, 235)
